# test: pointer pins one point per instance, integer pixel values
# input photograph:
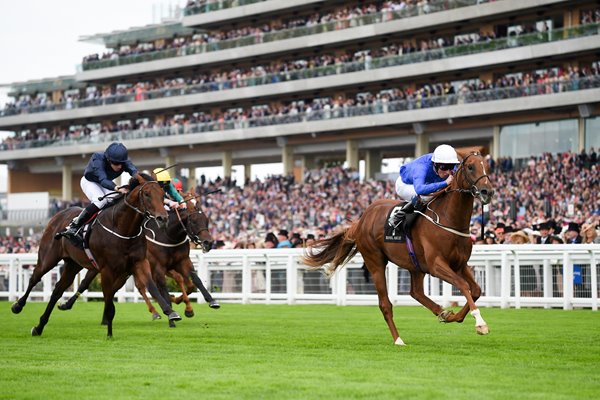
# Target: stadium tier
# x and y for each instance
(307, 83)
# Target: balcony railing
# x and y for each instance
(374, 18)
(329, 70)
(216, 5)
(377, 107)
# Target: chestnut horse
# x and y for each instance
(169, 253)
(117, 246)
(440, 238)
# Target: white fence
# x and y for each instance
(564, 276)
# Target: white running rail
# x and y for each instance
(549, 276)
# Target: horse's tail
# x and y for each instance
(335, 251)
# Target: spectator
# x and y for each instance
(489, 238)
(283, 241)
(572, 233)
(589, 234)
(271, 241)
(544, 237)
(500, 231)
(519, 237)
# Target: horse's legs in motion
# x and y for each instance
(212, 303)
(46, 261)
(142, 289)
(163, 290)
(376, 264)
(110, 285)
(142, 273)
(417, 293)
(71, 269)
(443, 271)
(83, 286)
(475, 292)
(189, 311)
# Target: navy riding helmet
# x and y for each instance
(116, 153)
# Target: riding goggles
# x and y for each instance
(445, 167)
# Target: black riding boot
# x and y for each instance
(399, 214)
(70, 231)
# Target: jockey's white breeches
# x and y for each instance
(94, 191)
(407, 192)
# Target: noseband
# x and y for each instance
(144, 212)
(194, 237)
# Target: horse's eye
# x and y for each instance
(470, 167)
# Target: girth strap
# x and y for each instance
(411, 253)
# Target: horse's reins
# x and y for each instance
(473, 190)
(189, 235)
(145, 213)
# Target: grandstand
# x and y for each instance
(312, 83)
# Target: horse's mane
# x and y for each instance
(134, 181)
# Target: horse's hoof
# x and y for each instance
(482, 330)
(189, 314)
(35, 332)
(104, 322)
(156, 316)
(171, 324)
(174, 316)
(16, 308)
(399, 342)
(214, 304)
(64, 306)
(444, 315)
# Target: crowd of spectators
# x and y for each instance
(341, 18)
(517, 84)
(395, 53)
(553, 196)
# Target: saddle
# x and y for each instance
(82, 237)
(398, 233)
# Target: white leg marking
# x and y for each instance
(478, 319)
(399, 342)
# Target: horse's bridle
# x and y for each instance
(147, 215)
(473, 189)
(194, 237)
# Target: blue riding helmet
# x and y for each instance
(116, 153)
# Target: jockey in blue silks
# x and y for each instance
(422, 177)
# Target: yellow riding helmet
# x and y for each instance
(162, 175)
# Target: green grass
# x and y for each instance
(297, 352)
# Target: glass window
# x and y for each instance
(523, 141)
(592, 133)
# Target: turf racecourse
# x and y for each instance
(298, 352)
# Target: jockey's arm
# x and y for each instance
(172, 198)
(423, 188)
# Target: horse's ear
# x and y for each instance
(463, 152)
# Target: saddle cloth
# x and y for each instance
(398, 233)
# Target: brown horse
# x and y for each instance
(440, 239)
(169, 253)
(117, 246)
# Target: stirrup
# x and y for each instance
(396, 217)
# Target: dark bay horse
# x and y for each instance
(116, 244)
(442, 245)
(168, 252)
